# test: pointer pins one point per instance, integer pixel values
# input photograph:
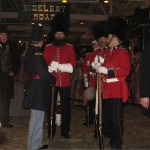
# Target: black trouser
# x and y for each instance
(65, 97)
(105, 117)
(5, 97)
(114, 119)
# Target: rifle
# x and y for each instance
(50, 122)
(50, 126)
(98, 112)
(101, 144)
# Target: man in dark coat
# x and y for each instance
(37, 96)
(9, 67)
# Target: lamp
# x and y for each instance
(81, 22)
(64, 1)
(106, 1)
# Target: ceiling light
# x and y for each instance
(106, 1)
(64, 1)
(81, 22)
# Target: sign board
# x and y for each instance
(42, 12)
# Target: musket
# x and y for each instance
(50, 126)
(50, 119)
(101, 144)
(98, 111)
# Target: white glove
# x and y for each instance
(98, 58)
(51, 69)
(65, 68)
(86, 82)
(55, 64)
(103, 70)
(93, 64)
(96, 65)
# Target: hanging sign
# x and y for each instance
(42, 12)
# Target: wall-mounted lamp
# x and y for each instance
(106, 1)
(81, 22)
(64, 1)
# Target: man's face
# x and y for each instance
(59, 35)
(3, 37)
(102, 41)
(95, 45)
(112, 40)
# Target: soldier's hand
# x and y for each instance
(145, 102)
(103, 70)
(11, 74)
(51, 69)
(96, 65)
(55, 64)
(98, 58)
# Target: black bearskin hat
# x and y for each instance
(99, 29)
(59, 23)
(3, 29)
(117, 26)
(37, 33)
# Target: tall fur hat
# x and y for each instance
(37, 33)
(117, 26)
(99, 29)
(59, 24)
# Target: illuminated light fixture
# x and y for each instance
(106, 1)
(64, 1)
(20, 41)
(32, 23)
(81, 22)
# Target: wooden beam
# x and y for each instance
(27, 28)
(14, 15)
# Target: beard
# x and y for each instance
(59, 42)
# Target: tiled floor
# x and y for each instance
(136, 132)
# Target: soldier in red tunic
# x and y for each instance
(60, 57)
(115, 69)
(101, 36)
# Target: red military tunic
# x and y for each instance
(119, 60)
(63, 54)
(86, 61)
(87, 70)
